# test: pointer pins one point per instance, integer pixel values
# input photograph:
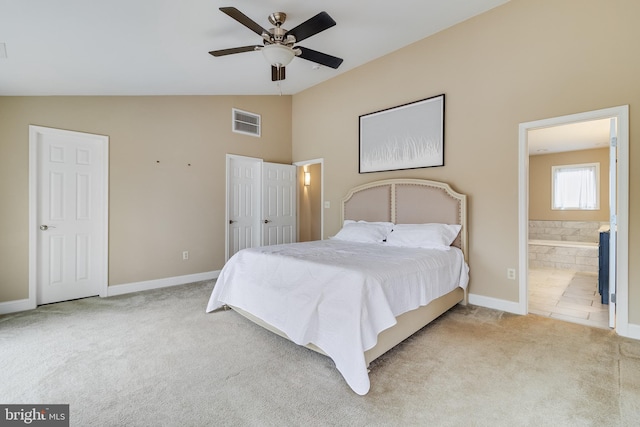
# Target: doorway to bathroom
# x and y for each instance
(561, 235)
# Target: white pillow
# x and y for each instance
(364, 232)
(431, 236)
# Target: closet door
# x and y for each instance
(278, 203)
(243, 203)
(261, 203)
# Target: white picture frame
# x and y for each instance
(408, 136)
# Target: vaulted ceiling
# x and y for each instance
(160, 47)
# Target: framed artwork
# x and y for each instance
(408, 136)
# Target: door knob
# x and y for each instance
(266, 221)
(44, 227)
(231, 221)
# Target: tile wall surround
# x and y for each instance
(574, 231)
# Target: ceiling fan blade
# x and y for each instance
(312, 26)
(233, 50)
(319, 57)
(244, 20)
(277, 73)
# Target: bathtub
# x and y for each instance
(563, 243)
(564, 255)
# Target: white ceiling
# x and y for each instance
(160, 47)
(571, 137)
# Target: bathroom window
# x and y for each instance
(576, 187)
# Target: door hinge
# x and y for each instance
(614, 141)
(612, 298)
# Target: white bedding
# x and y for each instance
(335, 294)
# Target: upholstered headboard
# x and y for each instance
(408, 201)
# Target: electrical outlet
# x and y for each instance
(511, 273)
(185, 255)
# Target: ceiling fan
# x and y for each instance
(278, 44)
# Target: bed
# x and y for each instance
(355, 300)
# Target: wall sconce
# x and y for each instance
(307, 179)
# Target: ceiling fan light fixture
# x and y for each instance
(279, 44)
(278, 55)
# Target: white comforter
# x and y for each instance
(337, 295)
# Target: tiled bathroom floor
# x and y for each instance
(567, 295)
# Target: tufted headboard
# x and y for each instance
(408, 201)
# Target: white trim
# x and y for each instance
(523, 223)
(494, 303)
(33, 204)
(621, 113)
(27, 304)
(105, 180)
(322, 208)
(148, 285)
(234, 120)
(17, 305)
(33, 219)
(632, 331)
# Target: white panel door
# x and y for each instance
(243, 203)
(70, 214)
(278, 203)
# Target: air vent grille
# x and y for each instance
(246, 123)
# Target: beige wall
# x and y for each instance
(540, 185)
(526, 60)
(156, 210)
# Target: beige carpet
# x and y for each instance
(156, 359)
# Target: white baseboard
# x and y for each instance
(16, 306)
(631, 331)
(147, 285)
(26, 304)
(495, 303)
